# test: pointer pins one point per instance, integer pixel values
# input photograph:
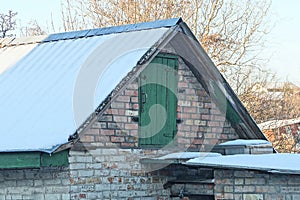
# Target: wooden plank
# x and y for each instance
(58, 159)
(20, 160)
(33, 159)
(173, 85)
(161, 101)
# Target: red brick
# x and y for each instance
(185, 116)
(215, 112)
(127, 145)
(112, 111)
(117, 139)
(192, 98)
(190, 91)
(197, 141)
(117, 105)
(180, 134)
(194, 128)
(195, 116)
(184, 140)
(123, 98)
(182, 85)
(197, 104)
(131, 126)
(217, 130)
(214, 124)
(87, 138)
(121, 111)
(93, 131)
(107, 132)
(189, 110)
(132, 86)
(120, 118)
(134, 99)
(219, 118)
(102, 139)
(208, 105)
(130, 92)
(135, 106)
(206, 117)
(184, 128)
(134, 132)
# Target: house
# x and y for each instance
(276, 90)
(125, 113)
(284, 134)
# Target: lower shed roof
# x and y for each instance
(273, 163)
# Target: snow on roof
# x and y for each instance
(273, 124)
(275, 163)
(39, 81)
(187, 155)
(242, 142)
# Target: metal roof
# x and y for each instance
(52, 86)
(272, 163)
(40, 79)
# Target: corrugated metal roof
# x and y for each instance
(39, 82)
(272, 163)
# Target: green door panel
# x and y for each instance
(158, 101)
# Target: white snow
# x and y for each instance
(188, 155)
(278, 123)
(280, 163)
(246, 142)
(48, 90)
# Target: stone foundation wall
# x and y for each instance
(255, 185)
(114, 174)
(39, 184)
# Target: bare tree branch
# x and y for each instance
(7, 23)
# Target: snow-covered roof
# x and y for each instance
(273, 124)
(187, 155)
(50, 86)
(45, 81)
(242, 142)
(274, 163)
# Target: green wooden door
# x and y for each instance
(158, 101)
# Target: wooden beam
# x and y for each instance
(12, 160)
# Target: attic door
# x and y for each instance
(158, 101)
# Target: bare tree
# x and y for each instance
(268, 100)
(7, 23)
(32, 29)
(232, 32)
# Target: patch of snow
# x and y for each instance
(246, 142)
(275, 163)
(188, 155)
(278, 123)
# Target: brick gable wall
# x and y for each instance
(201, 125)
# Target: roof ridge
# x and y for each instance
(6, 42)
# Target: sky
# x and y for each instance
(282, 46)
